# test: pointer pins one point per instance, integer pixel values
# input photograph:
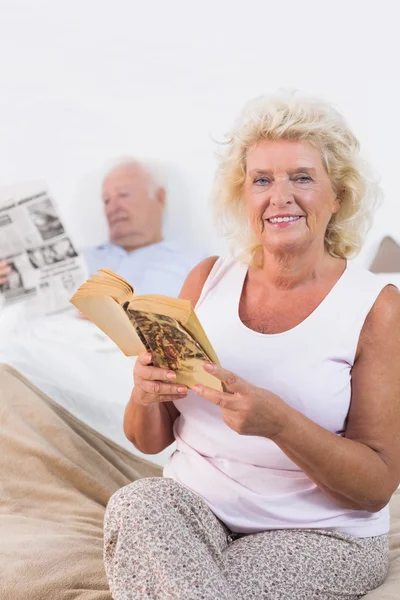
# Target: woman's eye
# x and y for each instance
(261, 181)
(303, 179)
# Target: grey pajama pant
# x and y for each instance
(163, 542)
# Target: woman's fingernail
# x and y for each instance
(148, 357)
(209, 367)
(197, 388)
(171, 375)
(181, 389)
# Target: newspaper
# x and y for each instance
(46, 268)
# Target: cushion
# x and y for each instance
(387, 257)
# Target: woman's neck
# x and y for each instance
(287, 271)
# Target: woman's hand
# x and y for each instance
(154, 385)
(150, 415)
(247, 409)
(4, 271)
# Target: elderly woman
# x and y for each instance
(279, 485)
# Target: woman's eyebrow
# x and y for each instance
(309, 170)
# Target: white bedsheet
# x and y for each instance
(76, 365)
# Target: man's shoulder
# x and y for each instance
(173, 254)
(182, 253)
(179, 248)
(103, 247)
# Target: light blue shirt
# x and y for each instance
(156, 269)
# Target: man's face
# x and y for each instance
(133, 207)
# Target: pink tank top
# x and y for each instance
(247, 481)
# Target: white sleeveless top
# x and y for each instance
(247, 481)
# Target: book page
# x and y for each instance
(110, 317)
(172, 347)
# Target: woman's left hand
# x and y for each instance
(247, 409)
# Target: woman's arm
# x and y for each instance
(150, 416)
(196, 279)
(361, 470)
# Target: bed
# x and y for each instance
(63, 391)
(74, 363)
(57, 475)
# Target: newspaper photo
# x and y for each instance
(45, 266)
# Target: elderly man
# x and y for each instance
(134, 205)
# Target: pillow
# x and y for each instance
(387, 258)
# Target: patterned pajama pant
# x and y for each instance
(162, 542)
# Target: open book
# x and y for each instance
(166, 327)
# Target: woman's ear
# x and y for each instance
(336, 206)
(337, 202)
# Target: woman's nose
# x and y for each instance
(281, 194)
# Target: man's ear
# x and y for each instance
(161, 196)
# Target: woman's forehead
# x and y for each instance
(285, 154)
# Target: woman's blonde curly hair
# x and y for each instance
(290, 117)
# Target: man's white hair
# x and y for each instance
(154, 172)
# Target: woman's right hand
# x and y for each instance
(153, 385)
(4, 271)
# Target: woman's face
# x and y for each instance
(289, 197)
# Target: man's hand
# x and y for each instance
(5, 270)
(247, 409)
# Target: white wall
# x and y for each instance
(83, 81)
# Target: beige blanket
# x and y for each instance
(56, 476)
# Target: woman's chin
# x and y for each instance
(284, 243)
